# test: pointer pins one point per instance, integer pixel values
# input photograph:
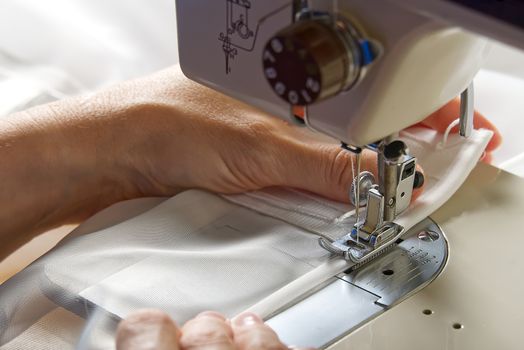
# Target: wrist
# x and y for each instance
(96, 148)
(152, 137)
(64, 161)
(74, 166)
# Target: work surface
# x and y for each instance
(479, 291)
(477, 301)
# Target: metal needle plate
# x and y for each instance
(358, 296)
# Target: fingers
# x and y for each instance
(324, 169)
(152, 329)
(207, 331)
(487, 158)
(251, 333)
(327, 171)
(147, 329)
(440, 120)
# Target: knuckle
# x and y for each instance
(200, 333)
(259, 129)
(204, 338)
(137, 320)
(206, 331)
(142, 325)
(259, 337)
(339, 167)
(152, 316)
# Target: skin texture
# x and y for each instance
(207, 331)
(157, 136)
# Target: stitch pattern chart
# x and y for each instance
(239, 35)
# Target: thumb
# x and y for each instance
(327, 170)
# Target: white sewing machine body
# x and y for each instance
(421, 63)
(384, 66)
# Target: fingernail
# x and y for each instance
(483, 155)
(247, 319)
(212, 314)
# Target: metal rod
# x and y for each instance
(467, 111)
(358, 157)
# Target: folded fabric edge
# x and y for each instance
(299, 287)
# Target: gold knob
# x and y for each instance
(312, 60)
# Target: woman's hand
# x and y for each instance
(194, 137)
(441, 119)
(189, 136)
(157, 136)
(152, 329)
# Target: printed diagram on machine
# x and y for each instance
(239, 35)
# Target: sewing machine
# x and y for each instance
(360, 72)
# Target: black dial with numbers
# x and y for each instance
(310, 61)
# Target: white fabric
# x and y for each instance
(57, 330)
(197, 251)
(94, 42)
(57, 48)
(446, 168)
(22, 87)
(188, 254)
(222, 257)
(306, 210)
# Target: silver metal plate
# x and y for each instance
(358, 296)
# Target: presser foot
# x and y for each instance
(359, 245)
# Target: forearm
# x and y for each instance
(56, 167)
(64, 161)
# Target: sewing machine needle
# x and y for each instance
(357, 189)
